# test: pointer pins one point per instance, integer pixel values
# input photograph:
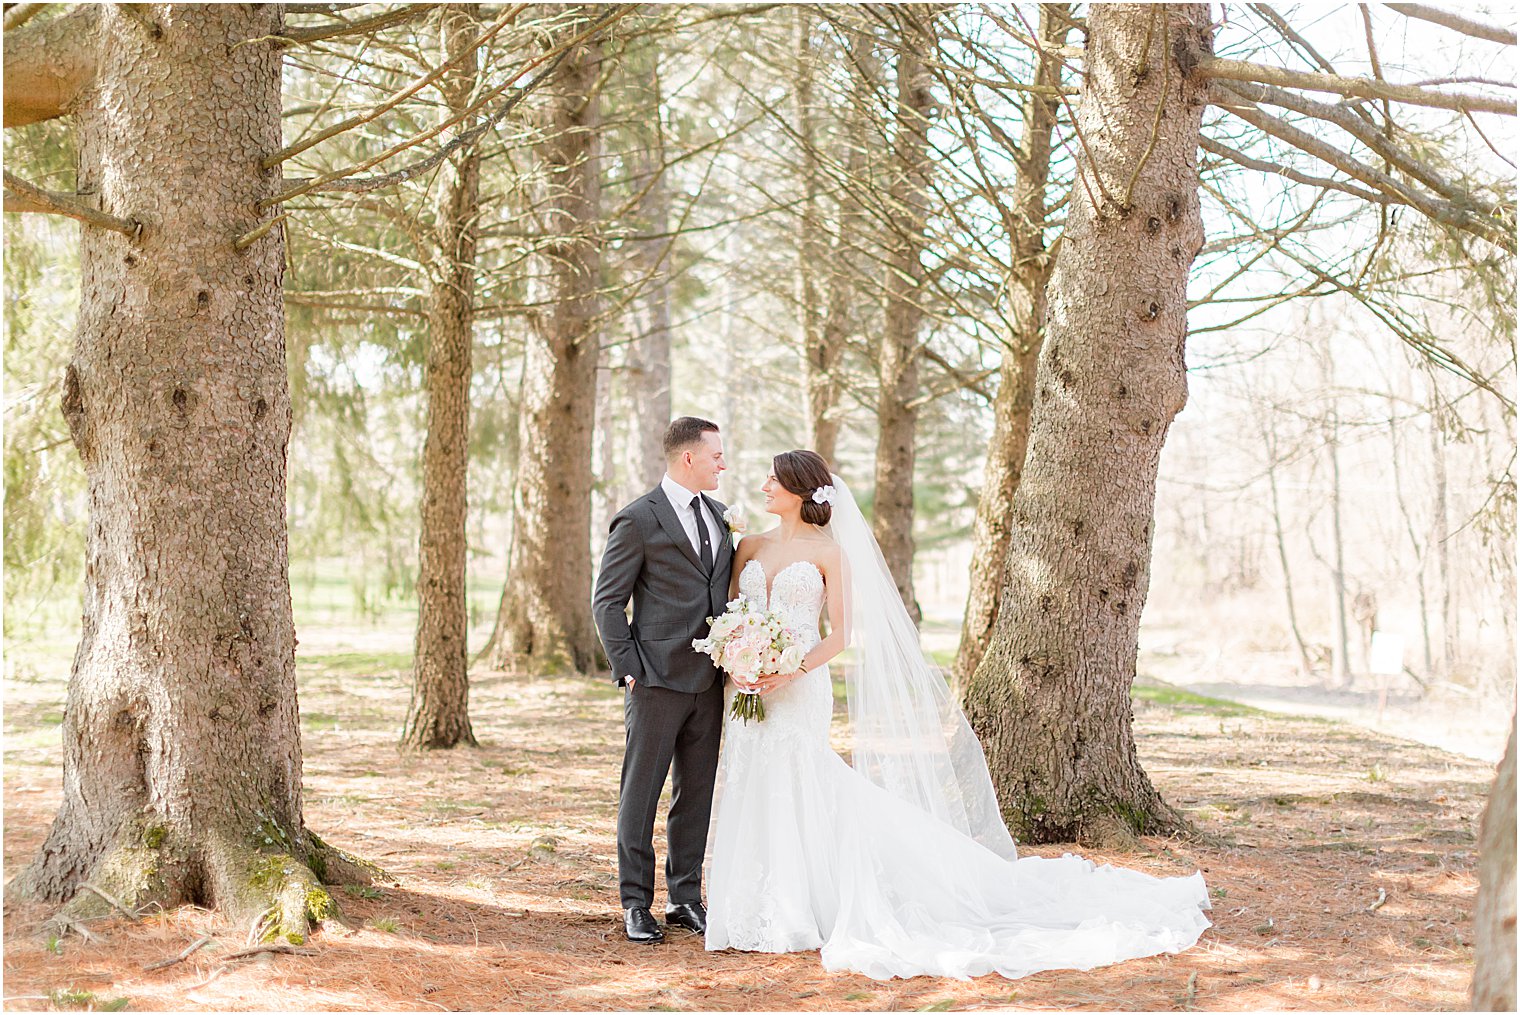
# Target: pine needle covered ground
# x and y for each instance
(1342, 866)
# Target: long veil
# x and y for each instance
(910, 736)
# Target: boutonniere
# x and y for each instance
(736, 522)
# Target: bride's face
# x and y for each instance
(778, 499)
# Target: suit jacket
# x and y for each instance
(650, 560)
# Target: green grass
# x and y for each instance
(364, 891)
(68, 997)
(355, 664)
(1181, 700)
(944, 658)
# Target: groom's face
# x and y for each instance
(707, 461)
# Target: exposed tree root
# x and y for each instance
(281, 894)
(128, 878)
(273, 881)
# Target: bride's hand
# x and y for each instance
(769, 682)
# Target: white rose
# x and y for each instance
(791, 659)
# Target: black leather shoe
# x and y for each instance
(691, 915)
(640, 925)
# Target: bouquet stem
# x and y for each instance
(747, 706)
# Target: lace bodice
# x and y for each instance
(796, 594)
(797, 714)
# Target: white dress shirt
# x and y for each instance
(680, 499)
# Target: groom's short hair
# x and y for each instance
(684, 432)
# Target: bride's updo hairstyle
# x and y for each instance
(802, 473)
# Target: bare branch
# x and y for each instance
(1379, 142)
(1292, 37)
(258, 232)
(1421, 342)
(23, 197)
(363, 26)
(364, 310)
(182, 956)
(47, 65)
(1364, 88)
(20, 14)
(337, 179)
(396, 99)
(959, 380)
(1492, 230)
(1457, 23)
(328, 9)
(1289, 173)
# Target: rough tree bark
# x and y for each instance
(182, 752)
(439, 713)
(812, 246)
(1051, 698)
(544, 621)
(1029, 273)
(898, 353)
(827, 334)
(1493, 986)
(649, 358)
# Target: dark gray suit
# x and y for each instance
(674, 715)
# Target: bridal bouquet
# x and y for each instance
(746, 642)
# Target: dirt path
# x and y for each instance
(1343, 874)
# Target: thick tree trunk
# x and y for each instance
(182, 752)
(826, 337)
(812, 248)
(1051, 698)
(898, 354)
(1028, 275)
(650, 365)
(545, 618)
(439, 713)
(1493, 986)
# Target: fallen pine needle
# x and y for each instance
(218, 971)
(270, 949)
(182, 956)
(1190, 995)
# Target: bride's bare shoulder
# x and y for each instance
(825, 553)
(752, 543)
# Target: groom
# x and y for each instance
(669, 551)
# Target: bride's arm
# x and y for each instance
(839, 614)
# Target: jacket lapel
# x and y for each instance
(666, 515)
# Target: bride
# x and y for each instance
(901, 864)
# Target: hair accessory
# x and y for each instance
(823, 495)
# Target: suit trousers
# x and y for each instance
(667, 729)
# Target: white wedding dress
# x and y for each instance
(806, 853)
